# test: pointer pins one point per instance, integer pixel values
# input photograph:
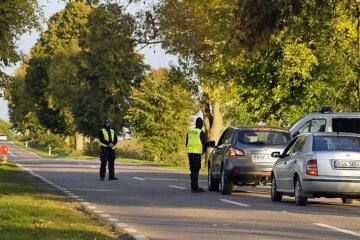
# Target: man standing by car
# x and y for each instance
(196, 146)
(108, 141)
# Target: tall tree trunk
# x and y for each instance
(213, 123)
(79, 142)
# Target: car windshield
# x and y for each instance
(268, 137)
(325, 143)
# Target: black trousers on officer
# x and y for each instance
(195, 165)
(107, 157)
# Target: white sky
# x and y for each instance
(154, 56)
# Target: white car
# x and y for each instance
(318, 165)
(3, 137)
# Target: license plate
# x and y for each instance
(262, 158)
(346, 164)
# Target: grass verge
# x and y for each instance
(36, 211)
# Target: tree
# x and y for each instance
(108, 67)
(160, 113)
(50, 67)
(199, 33)
(16, 17)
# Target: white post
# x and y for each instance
(26, 144)
(49, 151)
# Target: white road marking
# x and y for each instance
(122, 225)
(141, 179)
(235, 203)
(80, 199)
(91, 207)
(13, 155)
(113, 219)
(172, 186)
(338, 229)
(98, 211)
(93, 167)
(130, 230)
(85, 203)
(74, 196)
(104, 215)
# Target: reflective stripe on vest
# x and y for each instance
(194, 142)
(106, 136)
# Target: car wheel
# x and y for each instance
(226, 186)
(299, 199)
(213, 184)
(347, 200)
(275, 195)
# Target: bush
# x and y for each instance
(91, 148)
(130, 149)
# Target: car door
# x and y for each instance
(290, 163)
(215, 155)
(225, 145)
(280, 164)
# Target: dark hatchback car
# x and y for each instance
(243, 156)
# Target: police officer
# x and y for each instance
(196, 146)
(108, 141)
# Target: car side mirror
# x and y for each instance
(275, 154)
(211, 144)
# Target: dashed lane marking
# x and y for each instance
(140, 237)
(172, 186)
(130, 230)
(235, 203)
(338, 229)
(141, 179)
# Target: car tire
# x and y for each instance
(275, 195)
(213, 184)
(347, 200)
(226, 186)
(298, 192)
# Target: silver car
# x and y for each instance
(318, 165)
(243, 156)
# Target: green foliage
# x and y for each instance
(160, 114)
(108, 67)
(50, 66)
(16, 17)
(5, 127)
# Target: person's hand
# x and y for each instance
(111, 145)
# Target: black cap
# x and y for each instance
(107, 123)
(199, 123)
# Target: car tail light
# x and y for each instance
(311, 167)
(236, 152)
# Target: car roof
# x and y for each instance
(333, 114)
(260, 127)
(331, 134)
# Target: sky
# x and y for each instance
(154, 56)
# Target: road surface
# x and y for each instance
(156, 203)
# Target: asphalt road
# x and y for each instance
(155, 203)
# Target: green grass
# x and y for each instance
(43, 151)
(36, 211)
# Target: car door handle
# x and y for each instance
(285, 162)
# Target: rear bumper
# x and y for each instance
(249, 174)
(339, 187)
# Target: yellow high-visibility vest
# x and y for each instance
(106, 136)
(194, 142)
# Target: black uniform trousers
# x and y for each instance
(195, 165)
(107, 156)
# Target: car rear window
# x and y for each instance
(347, 143)
(268, 137)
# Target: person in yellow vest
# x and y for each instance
(108, 141)
(196, 146)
